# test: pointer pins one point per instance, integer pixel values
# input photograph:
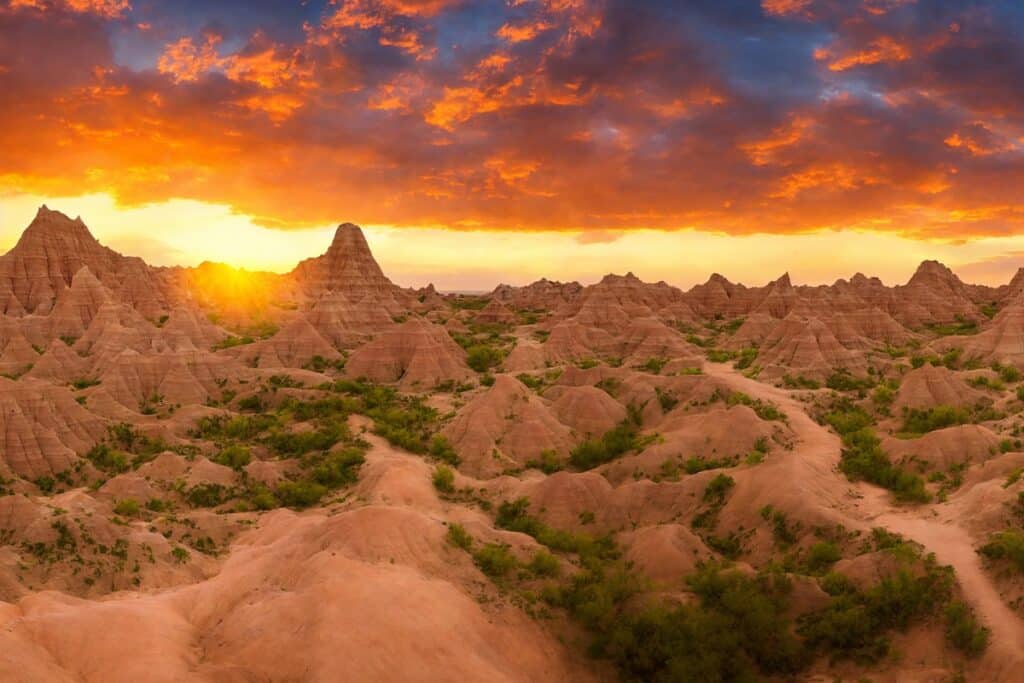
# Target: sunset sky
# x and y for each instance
(503, 140)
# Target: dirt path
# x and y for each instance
(819, 448)
(953, 546)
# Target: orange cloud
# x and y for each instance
(831, 177)
(109, 9)
(460, 104)
(267, 67)
(519, 33)
(785, 7)
(763, 151)
(184, 61)
(883, 49)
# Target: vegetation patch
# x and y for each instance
(863, 457)
(612, 445)
(918, 421)
(1006, 546)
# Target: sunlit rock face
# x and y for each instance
(52, 250)
(347, 267)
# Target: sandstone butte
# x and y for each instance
(209, 474)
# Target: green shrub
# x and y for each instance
(613, 444)
(251, 404)
(847, 418)
(513, 515)
(737, 632)
(963, 630)
(180, 554)
(442, 449)
(231, 341)
(107, 459)
(800, 382)
(127, 507)
(666, 400)
(338, 468)
(720, 355)
(239, 427)
(319, 364)
(764, 409)
(548, 463)
(294, 444)
(983, 382)
(544, 564)
(444, 479)
(495, 560)
(233, 456)
(821, 556)
(785, 534)
(855, 624)
(459, 537)
(882, 397)
(1013, 477)
(207, 495)
(535, 383)
(1009, 374)
(300, 494)
(959, 326)
(283, 382)
(653, 365)
(718, 488)
(863, 458)
(693, 464)
(745, 358)
(842, 380)
(482, 358)
(262, 498)
(1006, 545)
(923, 420)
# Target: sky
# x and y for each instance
(486, 141)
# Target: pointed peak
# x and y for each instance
(347, 265)
(55, 222)
(46, 213)
(718, 278)
(933, 271)
(347, 233)
(783, 281)
(933, 267)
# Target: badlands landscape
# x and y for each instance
(217, 475)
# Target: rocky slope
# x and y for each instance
(248, 476)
